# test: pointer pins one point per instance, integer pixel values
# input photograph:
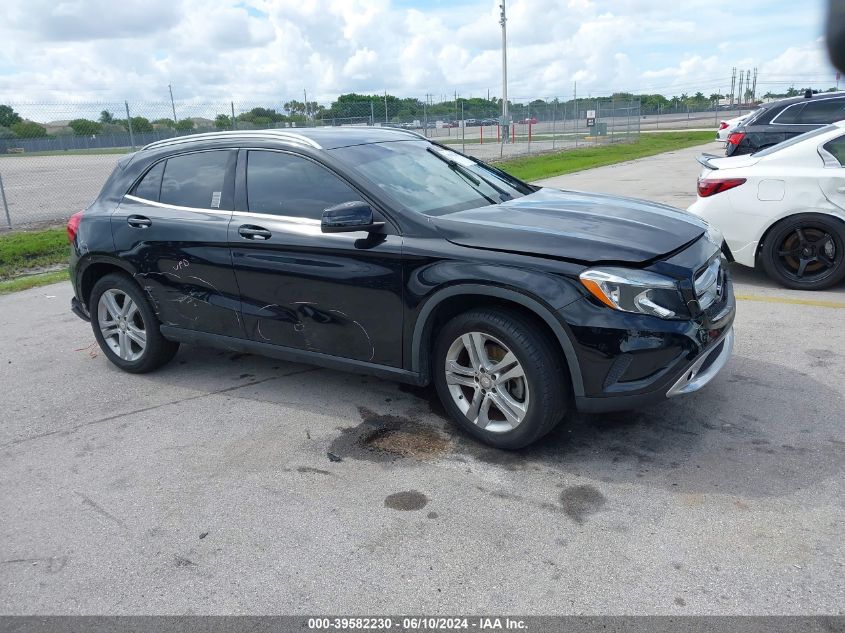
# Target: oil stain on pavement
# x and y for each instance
(407, 500)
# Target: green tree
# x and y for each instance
(28, 129)
(139, 125)
(185, 125)
(162, 122)
(106, 117)
(84, 127)
(223, 121)
(8, 116)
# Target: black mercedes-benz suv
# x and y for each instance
(377, 251)
(780, 120)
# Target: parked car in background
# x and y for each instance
(532, 120)
(727, 126)
(781, 120)
(376, 251)
(472, 122)
(782, 208)
(487, 122)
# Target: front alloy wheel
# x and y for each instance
(121, 325)
(486, 382)
(501, 376)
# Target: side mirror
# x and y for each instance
(349, 217)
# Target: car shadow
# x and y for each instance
(742, 435)
(759, 429)
(756, 278)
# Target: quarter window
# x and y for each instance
(826, 111)
(150, 185)
(283, 184)
(195, 180)
(837, 148)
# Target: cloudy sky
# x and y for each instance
(270, 50)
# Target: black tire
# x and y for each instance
(157, 350)
(815, 239)
(548, 395)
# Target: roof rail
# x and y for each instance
(281, 135)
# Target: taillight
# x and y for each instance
(709, 186)
(723, 125)
(73, 225)
(735, 138)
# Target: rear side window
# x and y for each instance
(195, 180)
(150, 185)
(283, 184)
(837, 148)
(826, 111)
(789, 115)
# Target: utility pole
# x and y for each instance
(754, 86)
(385, 106)
(505, 122)
(739, 91)
(733, 85)
(747, 82)
(172, 104)
(305, 103)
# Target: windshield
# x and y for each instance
(429, 179)
(795, 140)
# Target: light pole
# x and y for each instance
(505, 122)
(172, 103)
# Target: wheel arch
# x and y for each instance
(448, 302)
(94, 269)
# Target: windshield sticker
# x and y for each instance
(215, 199)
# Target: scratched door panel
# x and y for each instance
(181, 253)
(338, 294)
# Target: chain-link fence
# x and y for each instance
(54, 158)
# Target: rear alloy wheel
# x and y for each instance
(122, 325)
(806, 252)
(501, 377)
(125, 326)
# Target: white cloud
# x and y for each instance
(268, 51)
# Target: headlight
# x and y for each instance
(714, 235)
(637, 291)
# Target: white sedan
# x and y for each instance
(727, 126)
(782, 207)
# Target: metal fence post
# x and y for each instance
(554, 119)
(5, 204)
(129, 123)
(234, 126)
(463, 130)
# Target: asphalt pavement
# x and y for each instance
(208, 487)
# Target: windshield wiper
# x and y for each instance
(463, 172)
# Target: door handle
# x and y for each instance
(139, 221)
(250, 232)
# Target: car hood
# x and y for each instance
(575, 226)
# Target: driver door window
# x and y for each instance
(292, 186)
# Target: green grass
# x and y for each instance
(25, 250)
(32, 281)
(70, 152)
(546, 165)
